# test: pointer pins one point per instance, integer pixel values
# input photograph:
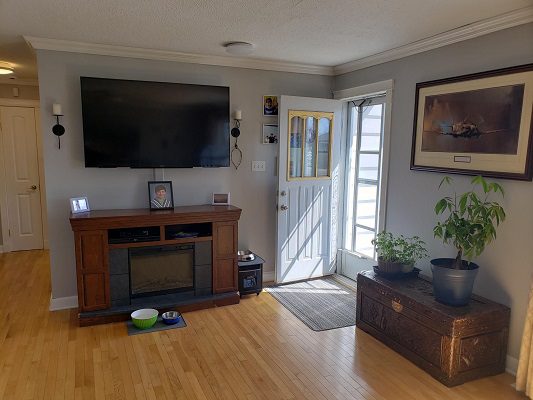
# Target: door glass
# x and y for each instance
(310, 147)
(368, 166)
(363, 241)
(371, 128)
(367, 195)
(295, 147)
(310, 137)
(324, 129)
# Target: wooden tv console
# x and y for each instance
(92, 246)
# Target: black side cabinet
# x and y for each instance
(251, 276)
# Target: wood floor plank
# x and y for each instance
(256, 350)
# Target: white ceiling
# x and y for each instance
(315, 32)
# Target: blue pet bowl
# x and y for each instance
(171, 317)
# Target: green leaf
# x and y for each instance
(446, 180)
(440, 206)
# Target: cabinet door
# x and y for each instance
(225, 256)
(92, 270)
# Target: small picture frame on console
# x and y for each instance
(79, 205)
(160, 195)
(221, 199)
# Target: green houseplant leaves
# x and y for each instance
(470, 219)
(399, 249)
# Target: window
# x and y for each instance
(310, 139)
(366, 120)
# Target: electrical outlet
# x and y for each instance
(258, 165)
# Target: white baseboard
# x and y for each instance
(511, 365)
(63, 303)
(269, 276)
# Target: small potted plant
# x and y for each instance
(470, 224)
(398, 254)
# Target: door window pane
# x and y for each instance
(363, 239)
(366, 205)
(310, 147)
(368, 166)
(310, 140)
(324, 129)
(295, 147)
(371, 128)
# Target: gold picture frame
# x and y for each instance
(478, 124)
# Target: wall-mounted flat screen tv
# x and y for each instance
(141, 124)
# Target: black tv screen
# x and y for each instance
(154, 124)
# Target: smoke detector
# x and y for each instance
(239, 48)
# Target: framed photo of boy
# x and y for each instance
(79, 205)
(160, 195)
(270, 105)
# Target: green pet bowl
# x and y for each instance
(144, 318)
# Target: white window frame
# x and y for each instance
(357, 93)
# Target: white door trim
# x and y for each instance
(6, 241)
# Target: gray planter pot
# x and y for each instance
(388, 267)
(452, 286)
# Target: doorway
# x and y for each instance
(22, 196)
(308, 168)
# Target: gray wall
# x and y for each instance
(67, 177)
(507, 264)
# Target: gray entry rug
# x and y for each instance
(321, 304)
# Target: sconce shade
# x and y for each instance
(56, 109)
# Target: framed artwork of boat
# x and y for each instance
(479, 124)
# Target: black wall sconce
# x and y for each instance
(236, 153)
(58, 129)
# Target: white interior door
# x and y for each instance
(309, 137)
(21, 177)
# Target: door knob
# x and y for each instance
(33, 187)
(284, 207)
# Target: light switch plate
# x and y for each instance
(258, 165)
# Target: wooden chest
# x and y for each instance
(453, 344)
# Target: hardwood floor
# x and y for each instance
(254, 350)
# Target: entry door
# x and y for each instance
(19, 151)
(309, 137)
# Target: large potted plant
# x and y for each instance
(398, 254)
(469, 225)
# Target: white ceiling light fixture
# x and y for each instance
(239, 48)
(5, 68)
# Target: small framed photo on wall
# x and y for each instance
(270, 105)
(270, 133)
(160, 195)
(79, 205)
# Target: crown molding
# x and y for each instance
(470, 31)
(163, 55)
(18, 82)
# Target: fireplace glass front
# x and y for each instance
(162, 269)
